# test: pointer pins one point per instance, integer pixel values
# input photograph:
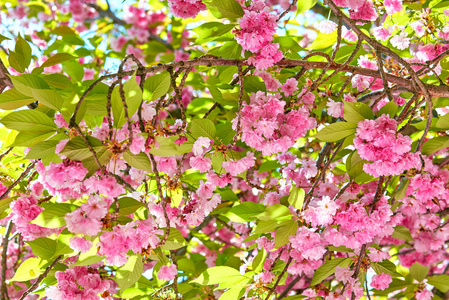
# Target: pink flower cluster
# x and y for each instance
(255, 35)
(265, 126)
(359, 9)
(378, 141)
(64, 180)
(78, 283)
(86, 220)
(135, 236)
(26, 209)
(186, 8)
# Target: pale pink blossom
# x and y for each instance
(381, 282)
(167, 272)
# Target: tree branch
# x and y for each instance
(3, 289)
(40, 278)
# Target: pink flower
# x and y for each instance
(268, 56)
(80, 244)
(271, 82)
(365, 12)
(235, 167)
(400, 41)
(59, 121)
(343, 274)
(335, 109)
(381, 33)
(419, 28)
(138, 144)
(290, 86)
(167, 272)
(186, 8)
(79, 223)
(256, 30)
(200, 163)
(377, 255)
(200, 143)
(327, 26)
(381, 282)
(393, 6)
(348, 35)
(96, 207)
(424, 295)
(117, 44)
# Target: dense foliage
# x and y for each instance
(223, 149)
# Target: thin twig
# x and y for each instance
(22, 176)
(3, 289)
(40, 278)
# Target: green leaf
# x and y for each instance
(402, 189)
(336, 131)
(244, 212)
(304, 5)
(175, 240)
(76, 148)
(2, 38)
(385, 267)
(42, 149)
(441, 282)
(156, 86)
(443, 122)
(323, 40)
(203, 127)
(130, 273)
(418, 271)
(266, 226)
(128, 205)
(57, 59)
(402, 233)
(43, 247)
(230, 49)
(49, 98)
(259, 261)
(328, 268)
(209, 31)
(355, 112)
(57, 80)
(221, 275)
(232, 294)
(23, 48)
(253, 84)
(26, 83)
(12, 99)
(217, 161)
(28, 120)
(140, 161)
(354, 167)
(31, 138)
(29, 269)
(90, 257)
(167, 146)
(133, 98)
(74, 70)
(276, 212)
(435, 144)
(229, 9)
(268, 166)
(284, 232)
(4, 204)
(104, 156)
(296, 198)
(17, 61)
(53, 215)
(390, 109)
